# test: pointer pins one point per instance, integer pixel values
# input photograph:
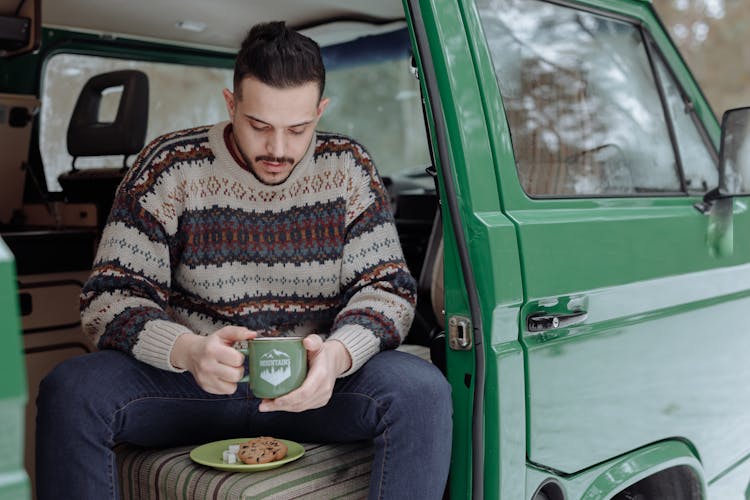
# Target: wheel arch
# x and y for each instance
(639, 465)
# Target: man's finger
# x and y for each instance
(230, 374)
(268, 405)
(287, 402)
(313, 343)
(216, 386)
(232, 334)
(230, 357)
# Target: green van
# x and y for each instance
(575, 214)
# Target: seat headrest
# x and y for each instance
(87, 136)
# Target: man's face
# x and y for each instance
(273, 127)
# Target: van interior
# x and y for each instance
(90, 83)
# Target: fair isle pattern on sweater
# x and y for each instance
(195, 243)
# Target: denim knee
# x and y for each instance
(429, 389)
(66, 386)
(418, 389)
(81, 386)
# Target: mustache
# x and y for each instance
(275, 159)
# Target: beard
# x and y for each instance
(274, 159)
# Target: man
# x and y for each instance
(217, 233)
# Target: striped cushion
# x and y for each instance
(325, 471)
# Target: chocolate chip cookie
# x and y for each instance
(261, 450)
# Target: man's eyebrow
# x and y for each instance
(256, 119)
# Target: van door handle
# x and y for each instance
(540, 322)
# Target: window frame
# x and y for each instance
(651, 48)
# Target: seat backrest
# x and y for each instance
(87, 136)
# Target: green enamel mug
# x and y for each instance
(276, 365)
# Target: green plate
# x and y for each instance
(210, 454)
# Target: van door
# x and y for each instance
(629, 312)
(481, 264)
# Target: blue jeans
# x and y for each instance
(88, 404)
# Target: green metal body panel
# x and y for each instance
(14, 483)
(493, 253)
(733, 482)
(653, 361)
(460, 366)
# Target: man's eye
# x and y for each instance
(259, 128)
(296, 131)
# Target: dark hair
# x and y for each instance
(280, 57)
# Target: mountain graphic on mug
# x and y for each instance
(275, 367)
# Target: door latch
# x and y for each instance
(460, 336)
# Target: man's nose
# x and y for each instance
(276, 144)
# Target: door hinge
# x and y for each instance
(460, 336)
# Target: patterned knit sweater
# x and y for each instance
(194, 242)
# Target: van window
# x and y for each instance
(178, 99)
(376, 102)
(379, 104)
(581, 101)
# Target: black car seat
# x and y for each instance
(87, 136)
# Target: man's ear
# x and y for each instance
(229, 98)
(322, 105)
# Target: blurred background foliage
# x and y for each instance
(713, 37)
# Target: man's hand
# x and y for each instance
(215, 364)
(325, 362)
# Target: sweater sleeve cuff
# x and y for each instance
(155, 344)
(360, 342)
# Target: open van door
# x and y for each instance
(603, 147)
(585, 280)
(482, 270)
